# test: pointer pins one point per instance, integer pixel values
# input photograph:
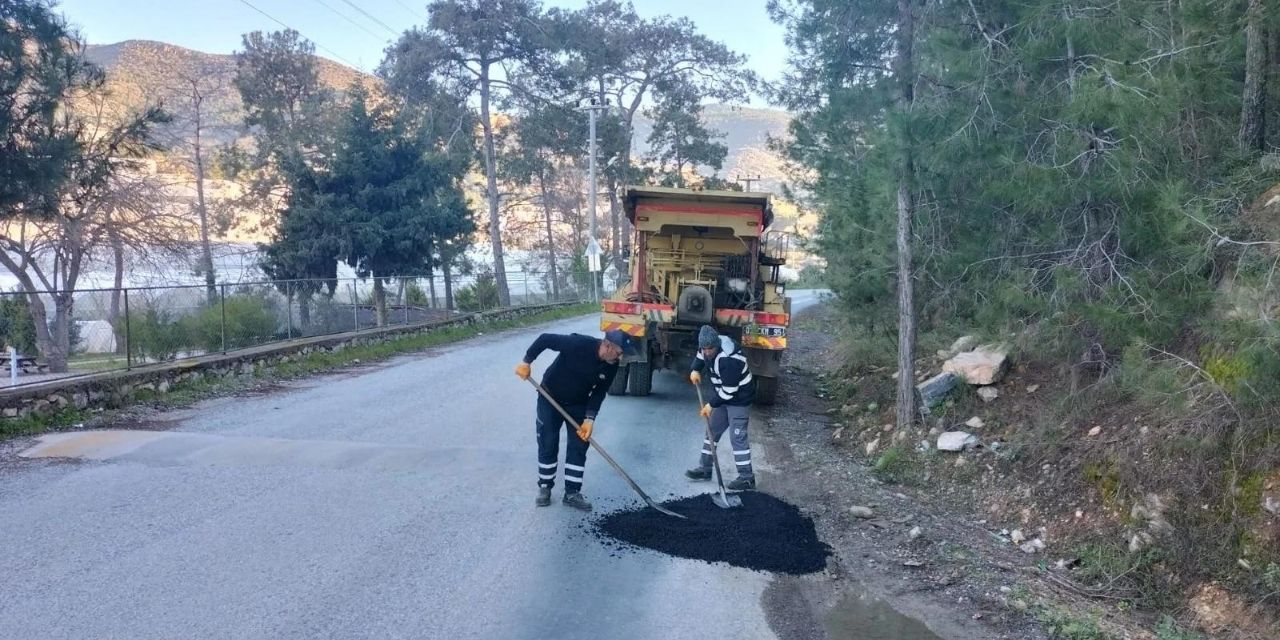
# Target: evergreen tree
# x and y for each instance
(41, 66)
(623, 60)
(679, 138)
(466, 44)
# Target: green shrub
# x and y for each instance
(1168, 629)
(153, 334)
(810, 277)
(480, 295)
(249, 321)
(415, 296)
(16, 327)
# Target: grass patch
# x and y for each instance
(1064, 625)
(191, 391)
(95, 362)
(1135, 577)
(1168, 629)
(33, 424)
(895, 466)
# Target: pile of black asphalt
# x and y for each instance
(765, 534)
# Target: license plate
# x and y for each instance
(767, 331)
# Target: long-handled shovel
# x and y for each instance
(722, 499)
(600, 450)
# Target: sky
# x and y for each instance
(343, 32)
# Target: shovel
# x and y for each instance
(722, 499)
(600, 450)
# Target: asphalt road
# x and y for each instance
(392, 502)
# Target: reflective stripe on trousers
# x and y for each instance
(735, 420)
(548, 434)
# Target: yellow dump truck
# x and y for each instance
(701, 257)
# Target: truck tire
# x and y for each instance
(619, 385)
(766, 391)
(640, 378)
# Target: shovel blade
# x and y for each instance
(726, 500)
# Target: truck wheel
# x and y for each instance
(619, 385)
(766, 391)
(640, 378)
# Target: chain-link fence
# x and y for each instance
(94, 330)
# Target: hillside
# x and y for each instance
(140, 72)
(746, 132)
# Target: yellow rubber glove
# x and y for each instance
(584, 429)
(695, 377)
(523, 370)
(705, 411)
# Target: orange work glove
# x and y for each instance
(706, 411)
(695, 377)
(523, 370)
(584, 429)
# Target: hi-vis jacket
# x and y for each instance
(730, 376)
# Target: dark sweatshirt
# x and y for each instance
(730, 375)
(578, 377)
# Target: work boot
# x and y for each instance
(742, 483)
(544, 497)
(698, 473)
(576, 501)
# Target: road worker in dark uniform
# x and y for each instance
(729, 406)
(578, 379)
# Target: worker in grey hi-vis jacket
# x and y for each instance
(729, 406)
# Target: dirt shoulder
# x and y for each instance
(938, 565)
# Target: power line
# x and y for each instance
(370, 16)
(348, 19)
(324, 48)
(406, 7)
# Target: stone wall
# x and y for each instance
(111, 389)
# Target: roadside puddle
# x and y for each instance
(862, 616)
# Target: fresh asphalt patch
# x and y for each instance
(765, 534)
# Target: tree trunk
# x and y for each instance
(448, 286)
(615, 224)
(63, 308)
(44, 340)
(1273, 70)
(39, 315)
(612, 180)
(1253, 124)
(1071, 54)
(379, 301)
(304, 311)
(206, 252)
(113, 313)
(431, 286)
(491, 176)
(551, 241)
(904, 70)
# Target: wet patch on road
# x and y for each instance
(863, 616)
(766, 534)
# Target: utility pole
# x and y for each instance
(593, 110)
(748, 180)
